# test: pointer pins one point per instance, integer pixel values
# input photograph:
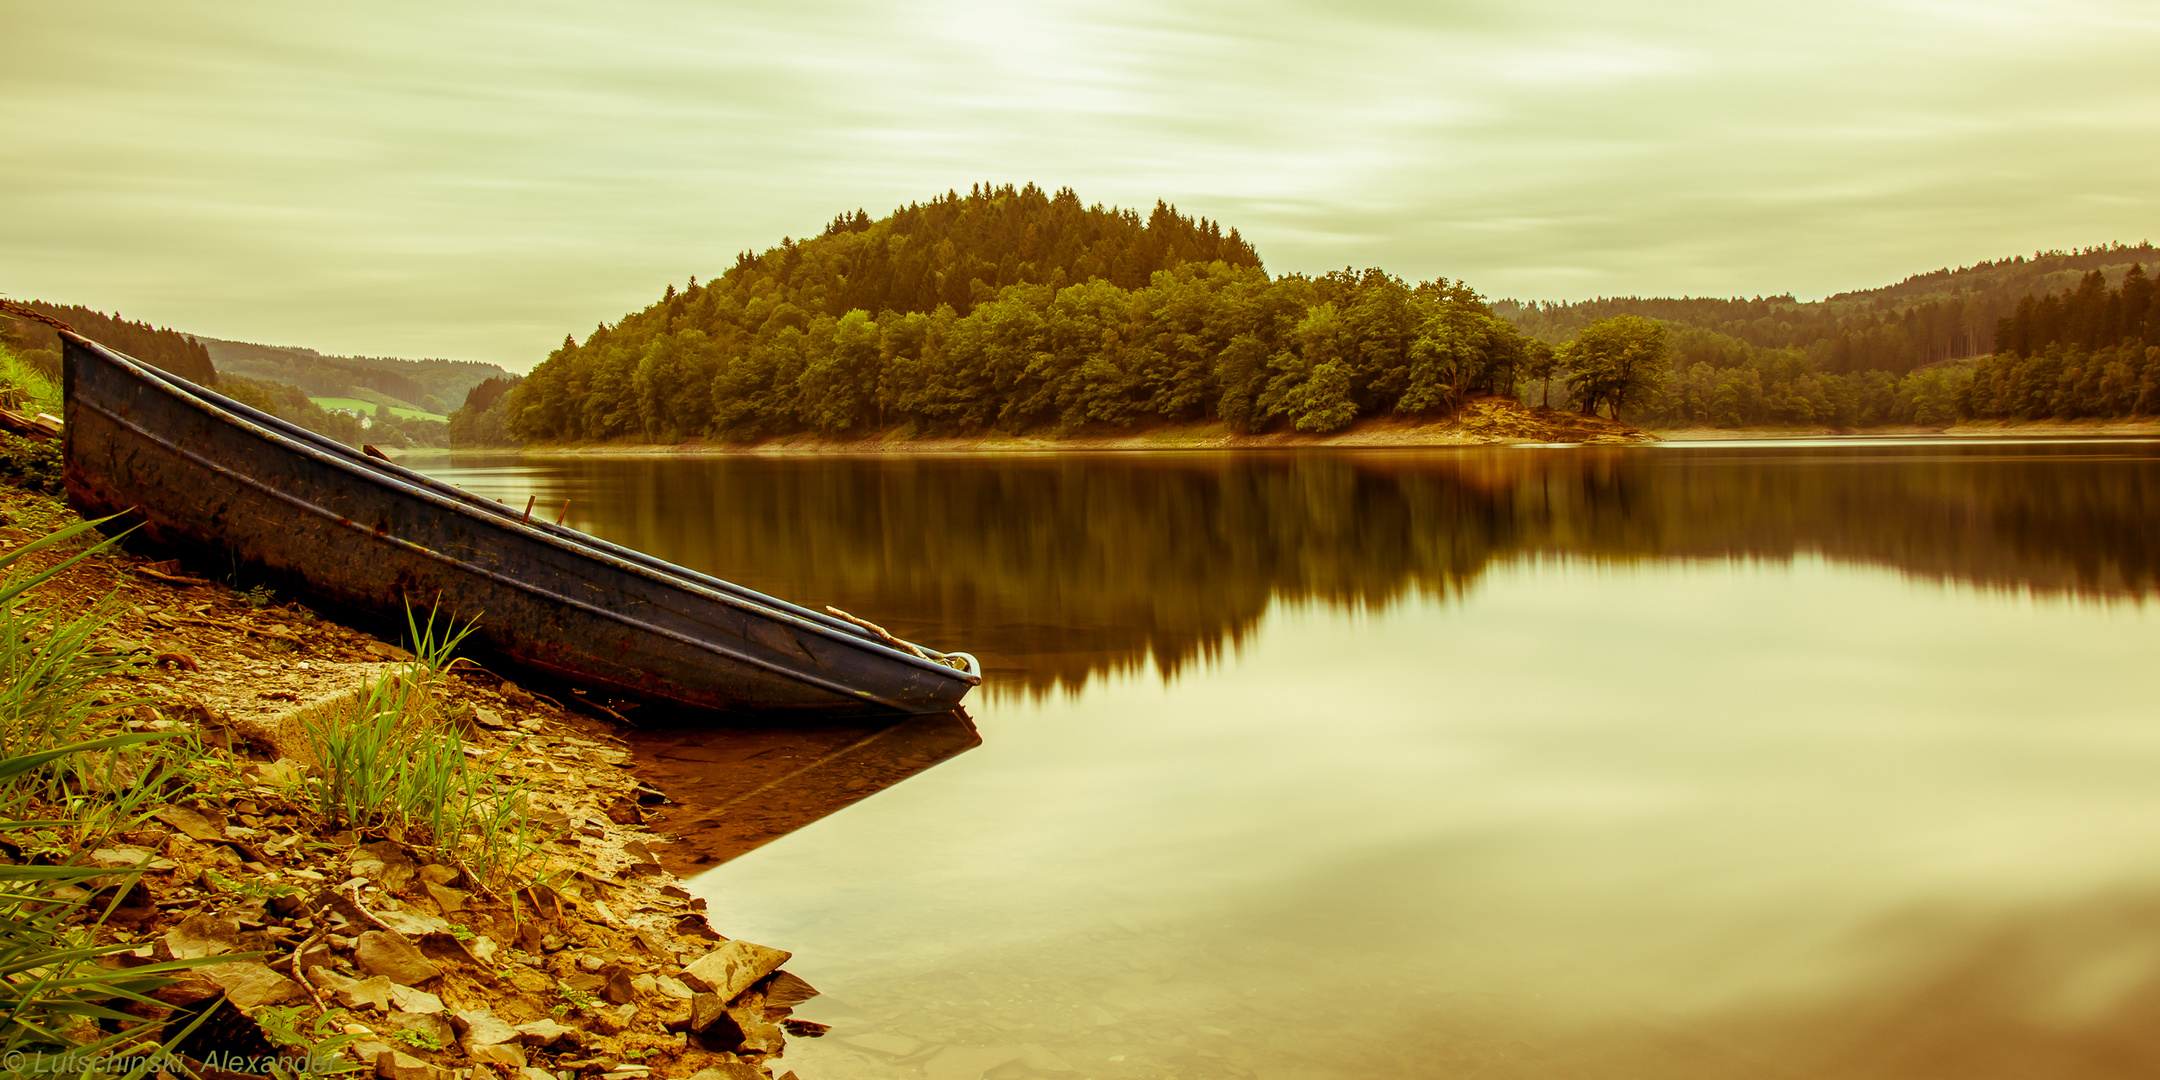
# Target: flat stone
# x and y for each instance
(731, 968)
(618, 989)
(481, 1027)
(248, 984)
(120, 858)
(530, 1073)
(450, 900)
(198, 936)
(367, 1049)
(391, 956)
(284, 772)
(890, 1045)
(413, 924)
(704, 1009)
(384, 863)
(498, 1054)
(433, 1025)
(395, 1065)
(608, 1021)
(749, 1031)
(644, 985)
(353, 993)
(482, 948)
(409, 1000)
(192, 825)
(654, 945)
(670, 986)
(542, 1032)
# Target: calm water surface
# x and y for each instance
(1674, 762)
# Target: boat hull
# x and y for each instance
(200, 474)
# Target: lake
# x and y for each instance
(1695, 760)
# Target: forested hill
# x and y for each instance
(1927, 318)
(959, 250)
(435, 386)
(1005, 306)
(166, 349)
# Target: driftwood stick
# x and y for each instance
(176, 579)
(880, 631)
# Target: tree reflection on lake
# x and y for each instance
(1054, 568)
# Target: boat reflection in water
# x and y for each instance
(734, 789)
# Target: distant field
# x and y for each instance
(369, 408)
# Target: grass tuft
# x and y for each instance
(396, 768)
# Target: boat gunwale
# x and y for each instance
(426, 493)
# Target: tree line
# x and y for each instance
(2087, 352)
(1196, 342)
(162, 348)
(1925, 319)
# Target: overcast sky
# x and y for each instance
(475, 179)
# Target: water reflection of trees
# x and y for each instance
(1063, 567)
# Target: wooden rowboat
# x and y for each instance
(206, 474)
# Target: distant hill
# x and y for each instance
(1927, 318)
(279, 379)
(434, 386)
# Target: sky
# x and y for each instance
(475, 180)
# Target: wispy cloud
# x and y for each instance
(476, 180)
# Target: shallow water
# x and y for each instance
(1683, 761)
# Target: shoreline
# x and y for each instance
(1487, 422)
(1501, 427)
(1999, 429)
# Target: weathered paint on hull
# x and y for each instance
(205, 474)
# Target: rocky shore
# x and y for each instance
(325, 949)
